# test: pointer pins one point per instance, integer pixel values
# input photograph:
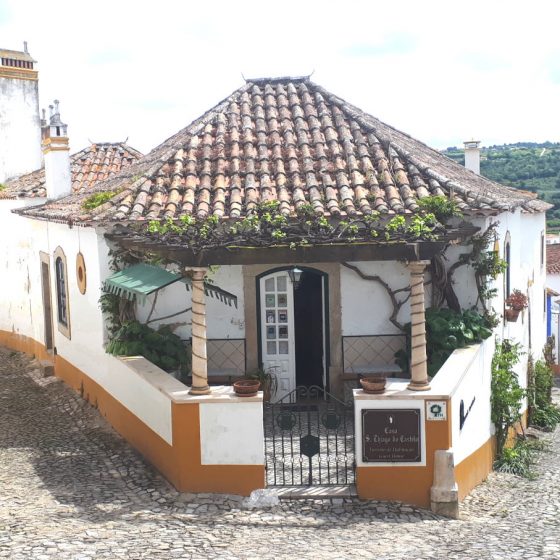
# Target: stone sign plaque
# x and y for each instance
(391, 435)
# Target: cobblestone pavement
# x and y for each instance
(70, 488)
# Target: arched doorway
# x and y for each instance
(293, 328)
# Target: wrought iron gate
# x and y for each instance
(309, 439)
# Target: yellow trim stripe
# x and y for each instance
(19, 73)
(56, 149)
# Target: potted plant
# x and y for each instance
(374, 384)
(516, 302)
(246, 387)
(267, 379)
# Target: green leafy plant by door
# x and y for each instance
(161, 347)
(447, 330)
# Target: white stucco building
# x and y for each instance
(20, 128)
(290, 141)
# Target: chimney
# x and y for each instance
(472, 155)
(58, 180)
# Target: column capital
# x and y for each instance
(418, 267)
(195, 272)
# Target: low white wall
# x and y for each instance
(466, 376)
(231, 434)
(136, 383)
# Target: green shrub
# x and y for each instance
(447, 330)
(544, 380)
(520, 458)
(507, 394)
(162, 347)
(546, 417)
(542, 412)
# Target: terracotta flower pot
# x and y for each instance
(246, 387)
(373, 385)
(512, 314)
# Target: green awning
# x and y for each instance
(141, 280)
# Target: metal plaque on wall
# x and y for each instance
(391, 435)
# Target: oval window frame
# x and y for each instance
(81, 276)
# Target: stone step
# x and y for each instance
(315, 492)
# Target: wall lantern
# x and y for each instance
(295, 276)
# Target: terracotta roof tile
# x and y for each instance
(553, 258)
(289, 140)
(91, 165)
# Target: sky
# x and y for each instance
(442, 71)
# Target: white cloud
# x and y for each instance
(440, 71)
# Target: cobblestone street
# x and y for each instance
(73, 489)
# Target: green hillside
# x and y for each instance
(525, 165)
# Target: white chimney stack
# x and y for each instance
(56, 151)
(472, 155)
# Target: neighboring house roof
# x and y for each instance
(16, 55)
(91, 165)
(290, 140)
(553, 258)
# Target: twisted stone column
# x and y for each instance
(418, 361)
(199, 357)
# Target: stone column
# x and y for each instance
(418, 360)
(199, 357)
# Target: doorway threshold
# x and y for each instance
(315, 492)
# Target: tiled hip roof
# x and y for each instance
(292, 141)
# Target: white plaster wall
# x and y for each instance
(466, 375)
(20, 129)
(86, 343)
(527, 274)
(231, 434)
(463, 278)
(222, 321)
(20, 283)
(365, 305)
(363, 404)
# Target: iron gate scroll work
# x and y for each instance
(309, 439)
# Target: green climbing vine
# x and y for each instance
(266, 226)
(487, 266)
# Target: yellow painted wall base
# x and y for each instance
(474, 469)
(179, 463)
